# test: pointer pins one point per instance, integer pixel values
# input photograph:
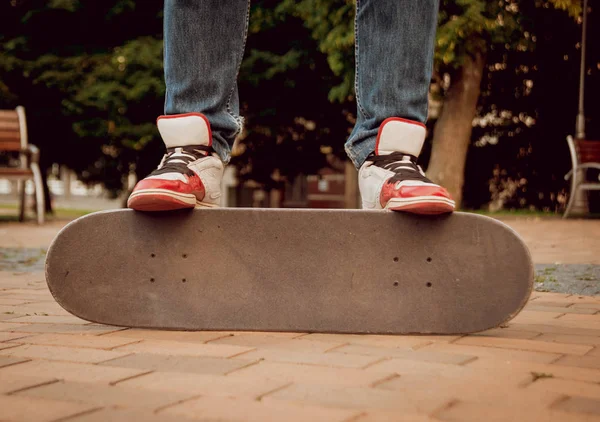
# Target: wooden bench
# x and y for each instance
(584, 155)
(13, 138)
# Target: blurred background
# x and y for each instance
(504, 97)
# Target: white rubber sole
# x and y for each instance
(422, 205)
(164, 200)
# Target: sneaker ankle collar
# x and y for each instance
(180, 130)
(400, 135)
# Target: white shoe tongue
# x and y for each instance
(182, 130)
(400, 135)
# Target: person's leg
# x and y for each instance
(204, 45)
(394, 60)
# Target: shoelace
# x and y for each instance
(403, 165)
(176, 160)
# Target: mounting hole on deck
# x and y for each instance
(395, 259)
(429, 284)
(396, 283)
(183, 280)
(152, 255)
(184, 256)
(152, 280)
(428, 259)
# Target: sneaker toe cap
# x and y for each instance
(425, 190)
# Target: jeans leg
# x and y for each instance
(204, 45)
(394, 60)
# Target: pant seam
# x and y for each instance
(356, 66)
(238, 119)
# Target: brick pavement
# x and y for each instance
(543, 366)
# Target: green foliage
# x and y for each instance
(90, 74)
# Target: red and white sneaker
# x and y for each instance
(390, 177)
(189, 174)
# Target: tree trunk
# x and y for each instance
(452, 133)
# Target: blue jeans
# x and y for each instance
(204, 45)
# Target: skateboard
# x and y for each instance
(337, 271)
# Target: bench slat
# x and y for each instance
(11, 171)
(10, 145)
(9, 115)
(9, 126)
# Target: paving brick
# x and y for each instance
(67, 354)
(474, 386)
(595, 306)
(127, 415)
(422, 355)
(566, 387)
(51, 319)
(6, 336)
(14, 382)
(9, 316)
(185, 336)
(520, 367)
(390, 416)
(25, 409)
(567, 338)
(267, 342)
(500, 354)
(507, 333)
(28, 308)
(59, 328)
(325, 359)
(577, 300)
(579, 361)
(585, 321)
(174, 348)
(425, 369)
(361, 398)
(555, 329)
(554, 296)
(275, 334)
(535, 317)
(8, 345)
(502, 412)
(192, 364)
(521, 344)
(239, 409)
(22, 277)
(594, 352)
(77, 372)
(547, 302)
(38, 293)
(405, 342)
(309, 374)
(102, 395)
(9, 326)
(202, 384)
(11, 301)
(69, 340)
(41, 308)
(561, 309)
(10, 360)
(27, 297)
(579, 405)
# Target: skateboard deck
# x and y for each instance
(339, 271)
